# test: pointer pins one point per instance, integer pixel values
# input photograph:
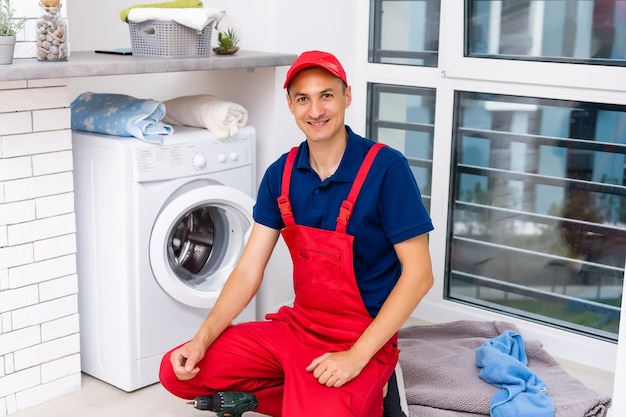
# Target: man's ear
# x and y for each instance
(289, 102)
(348, 95)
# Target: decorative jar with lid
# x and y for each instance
(52, 33)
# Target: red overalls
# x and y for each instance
(269, 358)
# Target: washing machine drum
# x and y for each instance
(196, 241)
(191, 244)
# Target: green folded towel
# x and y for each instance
(175, 4)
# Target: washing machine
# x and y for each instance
(159, 228)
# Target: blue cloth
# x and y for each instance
(503, 363)
(120, 115)
(389, 209)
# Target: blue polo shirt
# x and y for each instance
(388, 210)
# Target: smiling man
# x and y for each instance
(351, 214)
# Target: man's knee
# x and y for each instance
(170, 381)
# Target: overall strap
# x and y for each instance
(283, 200)
(345, 212)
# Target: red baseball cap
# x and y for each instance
(316, 59)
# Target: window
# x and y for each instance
(405, 32)
(403, 118)
(522, 122)
(580, 31)
(538, 221)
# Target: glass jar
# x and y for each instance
(52, 33)
(228, 34)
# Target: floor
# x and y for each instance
(98, 399)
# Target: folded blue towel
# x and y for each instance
(120, 115)
(503, 363)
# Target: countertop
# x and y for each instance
(89, 64)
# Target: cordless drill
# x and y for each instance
(226, 404)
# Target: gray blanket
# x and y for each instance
(441, 378)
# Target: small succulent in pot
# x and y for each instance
(227, 42)
(227, 36)
(9, 25)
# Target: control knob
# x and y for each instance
(198, 161)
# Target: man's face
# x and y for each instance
(318, 100)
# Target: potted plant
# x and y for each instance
(9, 26)
(227, 35)
(227, 42)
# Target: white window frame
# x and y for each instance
(589, 83)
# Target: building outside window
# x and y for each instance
(575, 31)
(513, 116)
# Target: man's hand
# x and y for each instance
(185, 358)
(335, 369)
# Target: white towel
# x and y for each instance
(222, 118)
(193, 17)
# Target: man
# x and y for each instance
(352, 217)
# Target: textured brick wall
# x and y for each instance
(39, 336)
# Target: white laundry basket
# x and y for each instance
(169, 39)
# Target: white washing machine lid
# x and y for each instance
(196, 241)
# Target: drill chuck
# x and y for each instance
(226, 404)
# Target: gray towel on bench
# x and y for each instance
(441, 378)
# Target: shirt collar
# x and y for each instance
(350, 162)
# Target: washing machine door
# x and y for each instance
(196, 241)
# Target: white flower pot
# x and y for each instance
(7, 47)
